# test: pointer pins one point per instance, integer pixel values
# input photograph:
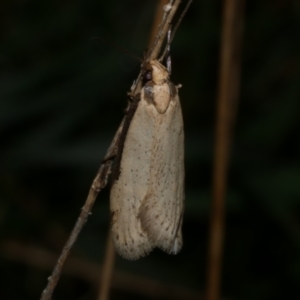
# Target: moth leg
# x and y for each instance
(169, 63)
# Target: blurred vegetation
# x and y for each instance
(63, 92)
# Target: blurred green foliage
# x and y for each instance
(63, 92)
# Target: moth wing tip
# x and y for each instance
(132, 250)
(133, 255)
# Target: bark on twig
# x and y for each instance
(101, 178)
(144, 287)
(162, 31)
(157, 20)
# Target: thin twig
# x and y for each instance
(229, 81)
(159, 12)
(154, 51)
(143, 287)
(101, 178)
(164, 28)
(175, 29)
(99, 183)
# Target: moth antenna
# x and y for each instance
(118, 47)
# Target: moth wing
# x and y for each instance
(162, 207)
(129, 238)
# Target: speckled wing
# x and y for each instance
(147, 199)
(127, 193)
(162, 207)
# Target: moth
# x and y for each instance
(147, 197)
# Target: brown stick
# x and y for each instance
(108, 266)
(159, 12)
(163, 29)
(42, 259)
(101, 178)
(229, 78)
(99, 183)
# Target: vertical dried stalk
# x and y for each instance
(108, 266)
(163, 29)
(229, 78)
(157, 19)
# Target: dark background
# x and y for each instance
(63, 92)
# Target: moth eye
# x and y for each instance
(147, 76)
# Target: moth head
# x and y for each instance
(155, 72)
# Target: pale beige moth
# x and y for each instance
(147, 197)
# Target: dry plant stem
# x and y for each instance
(76, 267)
(229, 78)
(101, 178)
(167, 48)
(164, 28)
(99, 182)
(158, 41)
(157, 19)
(105, 280)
